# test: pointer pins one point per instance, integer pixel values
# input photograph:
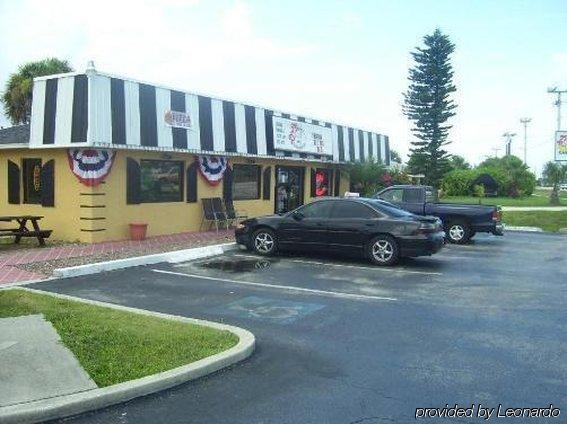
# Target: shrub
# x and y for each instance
(458, 182)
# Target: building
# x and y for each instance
(102, 152)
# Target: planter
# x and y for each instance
(138, 231)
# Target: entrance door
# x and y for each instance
(289, 188)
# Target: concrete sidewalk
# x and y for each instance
(35, 363)
(10, 259)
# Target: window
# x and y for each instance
(388, 208)
(246, 182)
(394, 195)
(32, 180)
(321, 209)
(352, 209)
(413, 195)
(322, 183)
(430, 195)
(161, 181)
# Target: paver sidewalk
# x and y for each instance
(10, 273)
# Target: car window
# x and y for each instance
(317, 210)
(412, 195)
(387, 208)
(352, 210)
(430, 195)
(393, 195)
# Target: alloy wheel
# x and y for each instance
(457, 232)
(264, 242)
(382, 250)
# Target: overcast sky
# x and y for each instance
(334, 60)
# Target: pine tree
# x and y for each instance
(428, 104)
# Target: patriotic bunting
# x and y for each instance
(90, 166)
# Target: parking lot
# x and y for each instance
(342, 341)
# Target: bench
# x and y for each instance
(23, 231)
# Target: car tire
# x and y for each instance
(264, 242)
(383, 250)
(458, 232)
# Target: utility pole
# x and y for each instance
(555, 90)
(508, 140)
(525, 121)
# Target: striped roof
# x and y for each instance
(99, 110)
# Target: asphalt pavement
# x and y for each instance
(341, 341)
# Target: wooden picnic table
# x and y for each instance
(23, 230)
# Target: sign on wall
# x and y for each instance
(90, 166)
(178, 119)
(561, 145)
(302, 137)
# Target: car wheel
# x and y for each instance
(458, 232)
(264, 242)
(383, 250)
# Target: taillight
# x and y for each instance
(426, 228)
(497, 214)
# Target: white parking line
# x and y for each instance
(281, 287)
(373, 268)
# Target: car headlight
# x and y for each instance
(240, 226)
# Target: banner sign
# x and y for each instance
(90, 166)
(177, 119)
(212, 168)
(561, 145)
(302, 137)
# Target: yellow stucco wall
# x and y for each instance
(101, 213)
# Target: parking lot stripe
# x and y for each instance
(374, 268)
(281, 287)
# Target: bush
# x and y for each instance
(367, 178)
(458, 182)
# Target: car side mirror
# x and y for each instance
(298, 216)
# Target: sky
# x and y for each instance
(340, 61)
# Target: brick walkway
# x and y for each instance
(11, 274)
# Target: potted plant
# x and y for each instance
(138, 231)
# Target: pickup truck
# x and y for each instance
(461, 222)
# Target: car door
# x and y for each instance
(306, 227)
(350, 224)
(413, 200)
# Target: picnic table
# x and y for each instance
(23, 230)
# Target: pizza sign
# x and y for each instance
(177, 119)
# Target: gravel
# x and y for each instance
(46, 268)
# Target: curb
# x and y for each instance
(174, 256)
(528, 229)
(68, 405)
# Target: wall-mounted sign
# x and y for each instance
(178, 119)
(90, 166)
(561, 146)
(302, 137)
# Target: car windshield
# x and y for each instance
(387, 208)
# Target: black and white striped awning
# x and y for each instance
(94, 109)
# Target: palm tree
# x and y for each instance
(555, 174)
(17, 96)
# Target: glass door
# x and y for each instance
(289, 188)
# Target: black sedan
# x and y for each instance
(372, 228)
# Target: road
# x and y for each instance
(340, 341)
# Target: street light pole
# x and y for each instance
(555, 90)
(525, 121)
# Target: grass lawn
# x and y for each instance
(115, 346)
(539, 198)
(548, 220)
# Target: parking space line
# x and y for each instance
(281, 287)
(376, 268)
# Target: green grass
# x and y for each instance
(539, 198)
(548, 220)
(115, 346)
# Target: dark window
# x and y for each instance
(32, 180)
(388, 208)
(352, 209)
(317, 210)
(430, 195)
(413, 195)
(161, 181)
(245, 182)
(395, 195)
